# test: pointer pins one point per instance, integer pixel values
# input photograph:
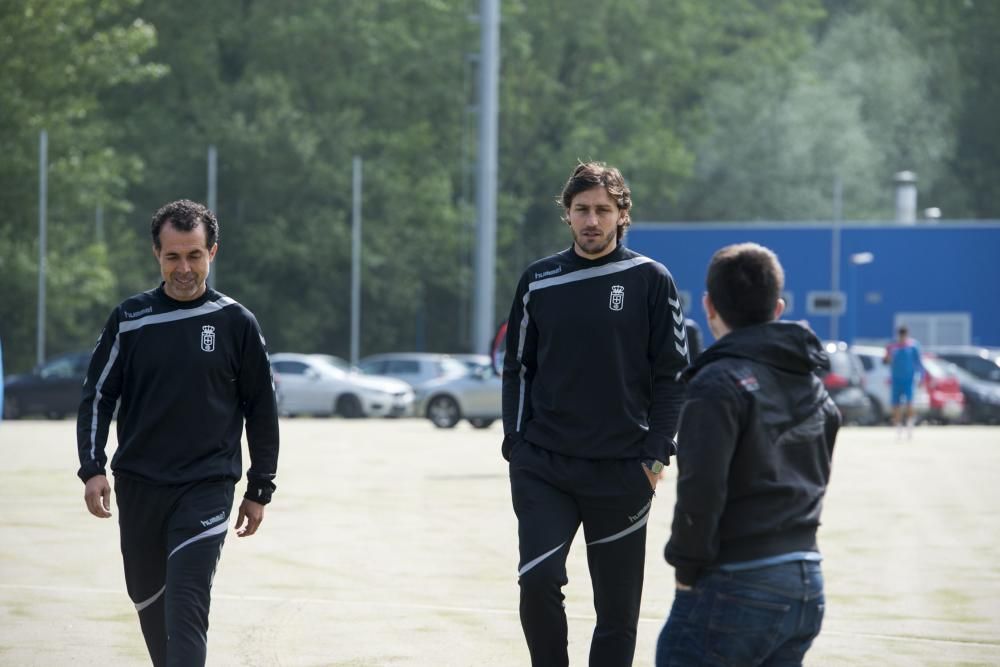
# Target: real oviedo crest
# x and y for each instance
(208, 338)
(617, 297)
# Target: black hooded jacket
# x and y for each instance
(754, 449)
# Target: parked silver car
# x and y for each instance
(473, 361)
(414, 368)
(474, 396)
(321, 384)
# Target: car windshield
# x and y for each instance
(451, 366)
(65, 367)
(963, 375)
(336, 362)
(937, 368)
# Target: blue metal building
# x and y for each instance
(856, 281)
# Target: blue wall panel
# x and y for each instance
(952, 267)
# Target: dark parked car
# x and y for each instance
(982, 398)
(846, 384)
(51, 390)
(978, 361)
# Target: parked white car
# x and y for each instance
(414, 368)
(474, 396)
(878, 384)
(321, 384)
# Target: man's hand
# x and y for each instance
(249, 518)
(653, 479)
(683, 587)
(97, 495)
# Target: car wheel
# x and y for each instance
(11, 408)
(349, 407)
(443, 412)
(479, 422)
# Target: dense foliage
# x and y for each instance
(731, 109)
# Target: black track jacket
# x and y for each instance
(754, 450)
(594, 351)
(188, 373)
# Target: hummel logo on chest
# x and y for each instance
(550, 272)
(132, 314)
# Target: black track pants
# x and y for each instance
(553, 494)
(171, 540)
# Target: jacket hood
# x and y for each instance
(788, 346)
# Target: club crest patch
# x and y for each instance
(617, 297)
(208, 338)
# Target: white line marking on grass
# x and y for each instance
(472, 610)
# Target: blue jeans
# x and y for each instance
(765, 616)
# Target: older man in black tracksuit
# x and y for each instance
(754, 451)
(595, 341)
(186, 367)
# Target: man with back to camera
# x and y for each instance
(753, 462)
(189, 365)
(903, 356)
(590, 402)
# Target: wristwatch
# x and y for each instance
(652, 465)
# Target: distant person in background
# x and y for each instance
(903, 355)
(754, 452)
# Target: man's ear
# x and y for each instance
(214, 249)
(156, 252)
(706, 303)
(779, 308)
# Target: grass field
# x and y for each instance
(394, 543)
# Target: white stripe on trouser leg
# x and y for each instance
(617, 536)
(538, 560)
(214, 530)
(139, 606)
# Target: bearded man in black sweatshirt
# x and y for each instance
(595, 342)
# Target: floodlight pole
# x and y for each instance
(838, 200)
(356, 262)
(486, 168)
(213, 185)
(43, 186)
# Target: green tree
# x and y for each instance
(626, 86)
(859, 108)
(289, 94)
(58, 59)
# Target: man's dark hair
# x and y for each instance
(902, 331)
(185, 215)
(744, 282)
(589, 175)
